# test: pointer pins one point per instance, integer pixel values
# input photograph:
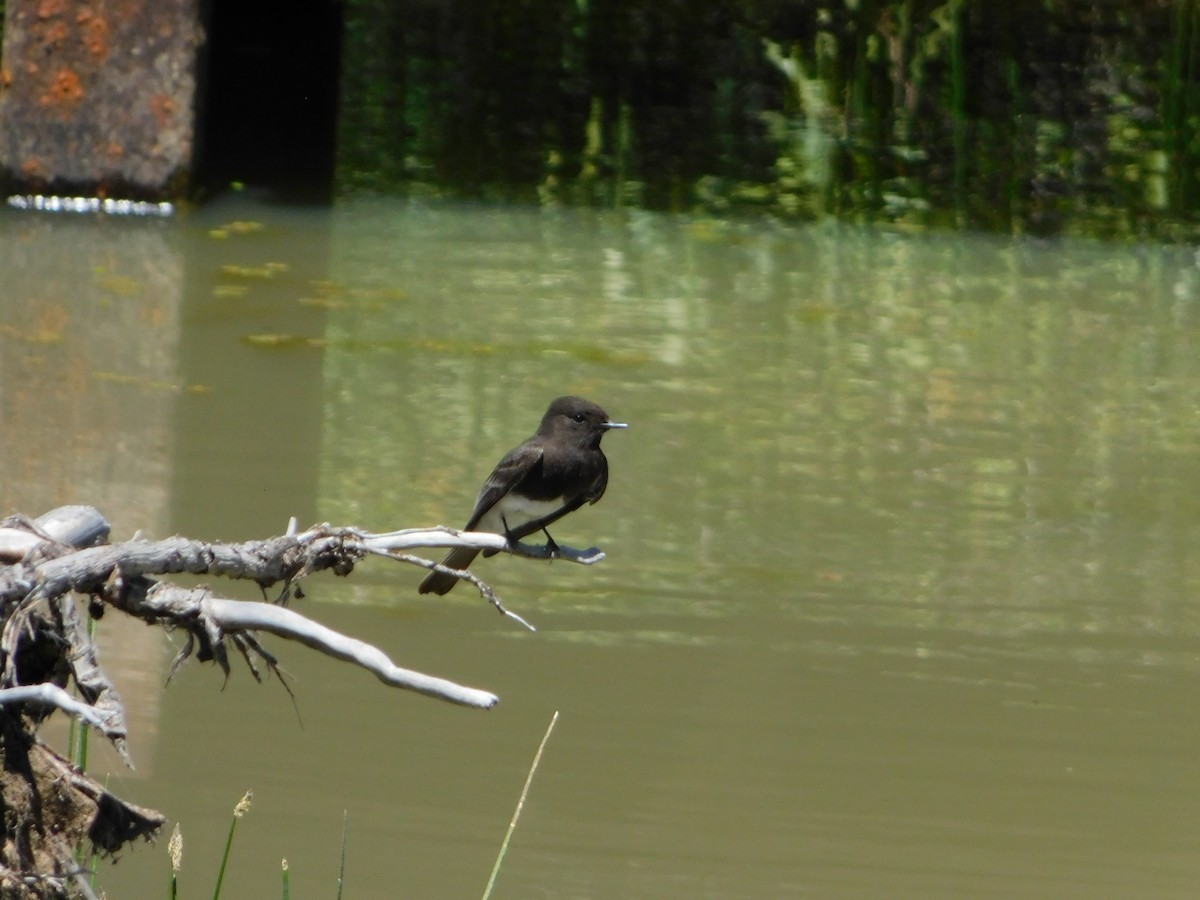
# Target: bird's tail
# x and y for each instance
(440, 582)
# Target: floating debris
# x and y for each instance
(263, 272)
(238, 226)
(283, 340)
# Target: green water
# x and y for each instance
(900, 596)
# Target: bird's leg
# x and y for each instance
(512, 539)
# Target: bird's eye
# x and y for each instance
(579, 417)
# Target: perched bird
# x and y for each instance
(538, 482)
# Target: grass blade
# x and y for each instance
(238, 811)
(512, 826)
(342, 866)
(175, 851)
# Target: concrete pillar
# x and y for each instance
(98, 97)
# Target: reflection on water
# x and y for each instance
(900, 597)
(957, 426)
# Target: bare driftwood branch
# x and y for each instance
(71, 526)
(414, 538)
(217, 616)
(48, 564)
(94, 685)
(122, 575)
(53, 695)
(119, 575)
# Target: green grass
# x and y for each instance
(242, 807)
(512, 826)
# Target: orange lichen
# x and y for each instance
(162, 107)
(48, 9)
(65, 89)
(95, 37)
(55, 33)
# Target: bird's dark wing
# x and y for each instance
(509, 472)
(572, 500)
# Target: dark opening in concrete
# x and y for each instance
(267, 114)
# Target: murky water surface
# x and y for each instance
(901, 596)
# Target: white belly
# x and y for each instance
(516, 511)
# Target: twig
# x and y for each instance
(484, 588)
(512, 826)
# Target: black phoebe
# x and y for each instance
(553, 473)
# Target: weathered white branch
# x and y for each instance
(441, 536)
(121, 575)
(227, 617)
(48, 694)
(279, 559)
(94, 685)
(48, 564)
(15, 543)
(287, 624)
(75, 526)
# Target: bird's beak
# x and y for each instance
(608, 425)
